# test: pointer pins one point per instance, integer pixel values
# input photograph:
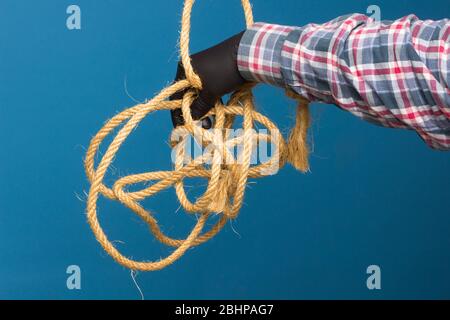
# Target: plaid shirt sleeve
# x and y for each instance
(393, 73)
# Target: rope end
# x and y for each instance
(297, 148)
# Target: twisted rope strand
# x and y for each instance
(227, 177)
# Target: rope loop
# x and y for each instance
(226, 173)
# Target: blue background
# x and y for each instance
(374, 196)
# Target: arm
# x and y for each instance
(395, 74)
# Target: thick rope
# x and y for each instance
(227, 177)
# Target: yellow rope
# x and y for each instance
(226, 179)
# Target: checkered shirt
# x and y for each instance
(391, 73)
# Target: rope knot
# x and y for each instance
(226, 188)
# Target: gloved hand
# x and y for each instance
(218, 71)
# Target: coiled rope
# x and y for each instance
(226, 179)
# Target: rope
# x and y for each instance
(227, 177)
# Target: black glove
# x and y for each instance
(218, 71)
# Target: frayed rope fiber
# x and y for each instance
(227, 180)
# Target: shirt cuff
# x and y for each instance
(259, 53)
